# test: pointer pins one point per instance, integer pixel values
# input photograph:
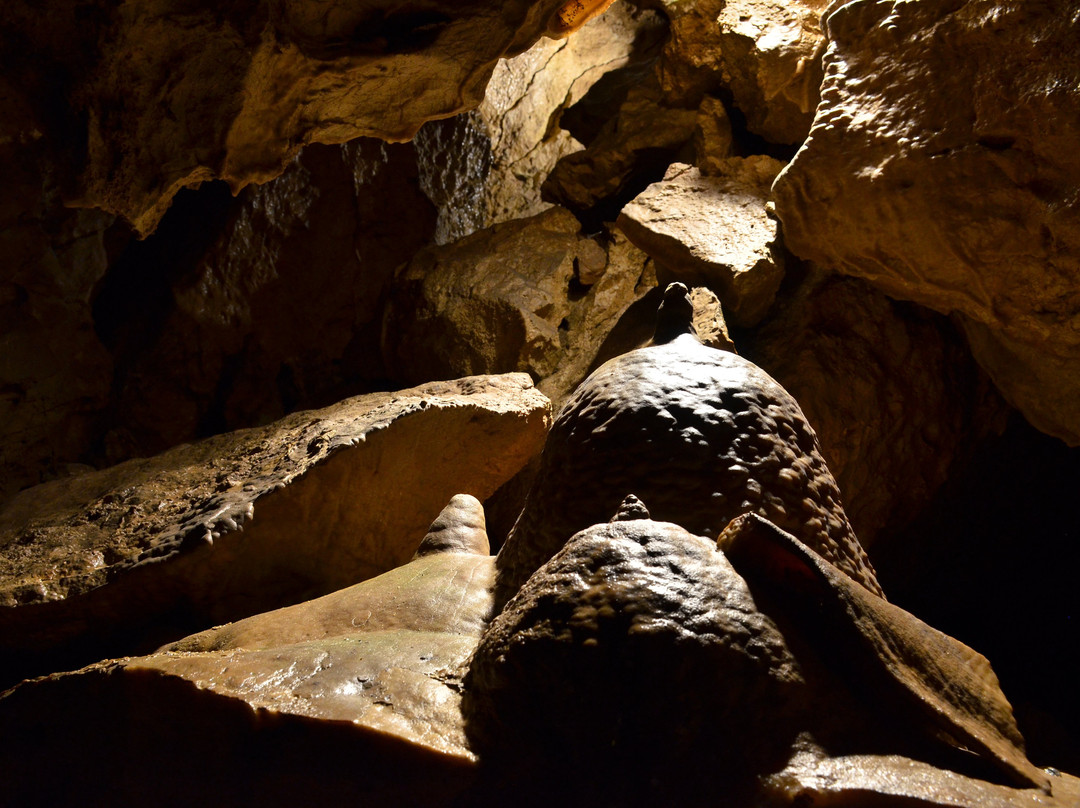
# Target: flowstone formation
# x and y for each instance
(640, 660)
(701, 435)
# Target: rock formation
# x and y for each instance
(940, 168)
(909, 271)
(701, 435)
(111, 561)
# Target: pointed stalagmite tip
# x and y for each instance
(459, 528)
(631, 508)
(675, 316)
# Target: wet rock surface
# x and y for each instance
(144, 548)
(598, 623)
(701, 435)
(367, 671)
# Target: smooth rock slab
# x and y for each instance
(357, 690)
(714, 231)
(342, 494)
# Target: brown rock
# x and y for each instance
(891, 389)
(713, 140)
(343, 494)
(766, 53)
(847, 780)
(274, 307)
(140, 102)
(700, 436)
(945, 690)
(714, 231)
(365, 676)
(941, 168)
(486, 167)
(709, 323)
(644, 136)
(509, 298)
(54, 373)
(631, 629)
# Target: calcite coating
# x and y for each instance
(636, 630)
(701, 436)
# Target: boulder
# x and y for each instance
(119, 559)
(714, 231)
(511, 298)
(941, 168)
(701, 435)
(765, 53)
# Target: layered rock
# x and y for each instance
(486, 167)
(714, 231)
(940, 168)
(112, 560)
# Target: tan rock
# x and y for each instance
(766, 53)
(714, 231)
(497, 157)
(643, 137)
(713, 140)
(343, 493)
(890, 388)
(233, 91)
(368, 676)
(510, 298)
(709, 323)
(941, 168)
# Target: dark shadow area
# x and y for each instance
(993, 562)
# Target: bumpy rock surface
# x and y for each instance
(140, 101)
(714, 231)
(530, 295)
(364, 677)
(634, 628)
(892, 392)
(766, 53)
(700, 436)
(942, 168)
(100, 564)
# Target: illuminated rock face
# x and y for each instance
(145, 100)
(942, 167)
(700, 435)
(105, 563)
